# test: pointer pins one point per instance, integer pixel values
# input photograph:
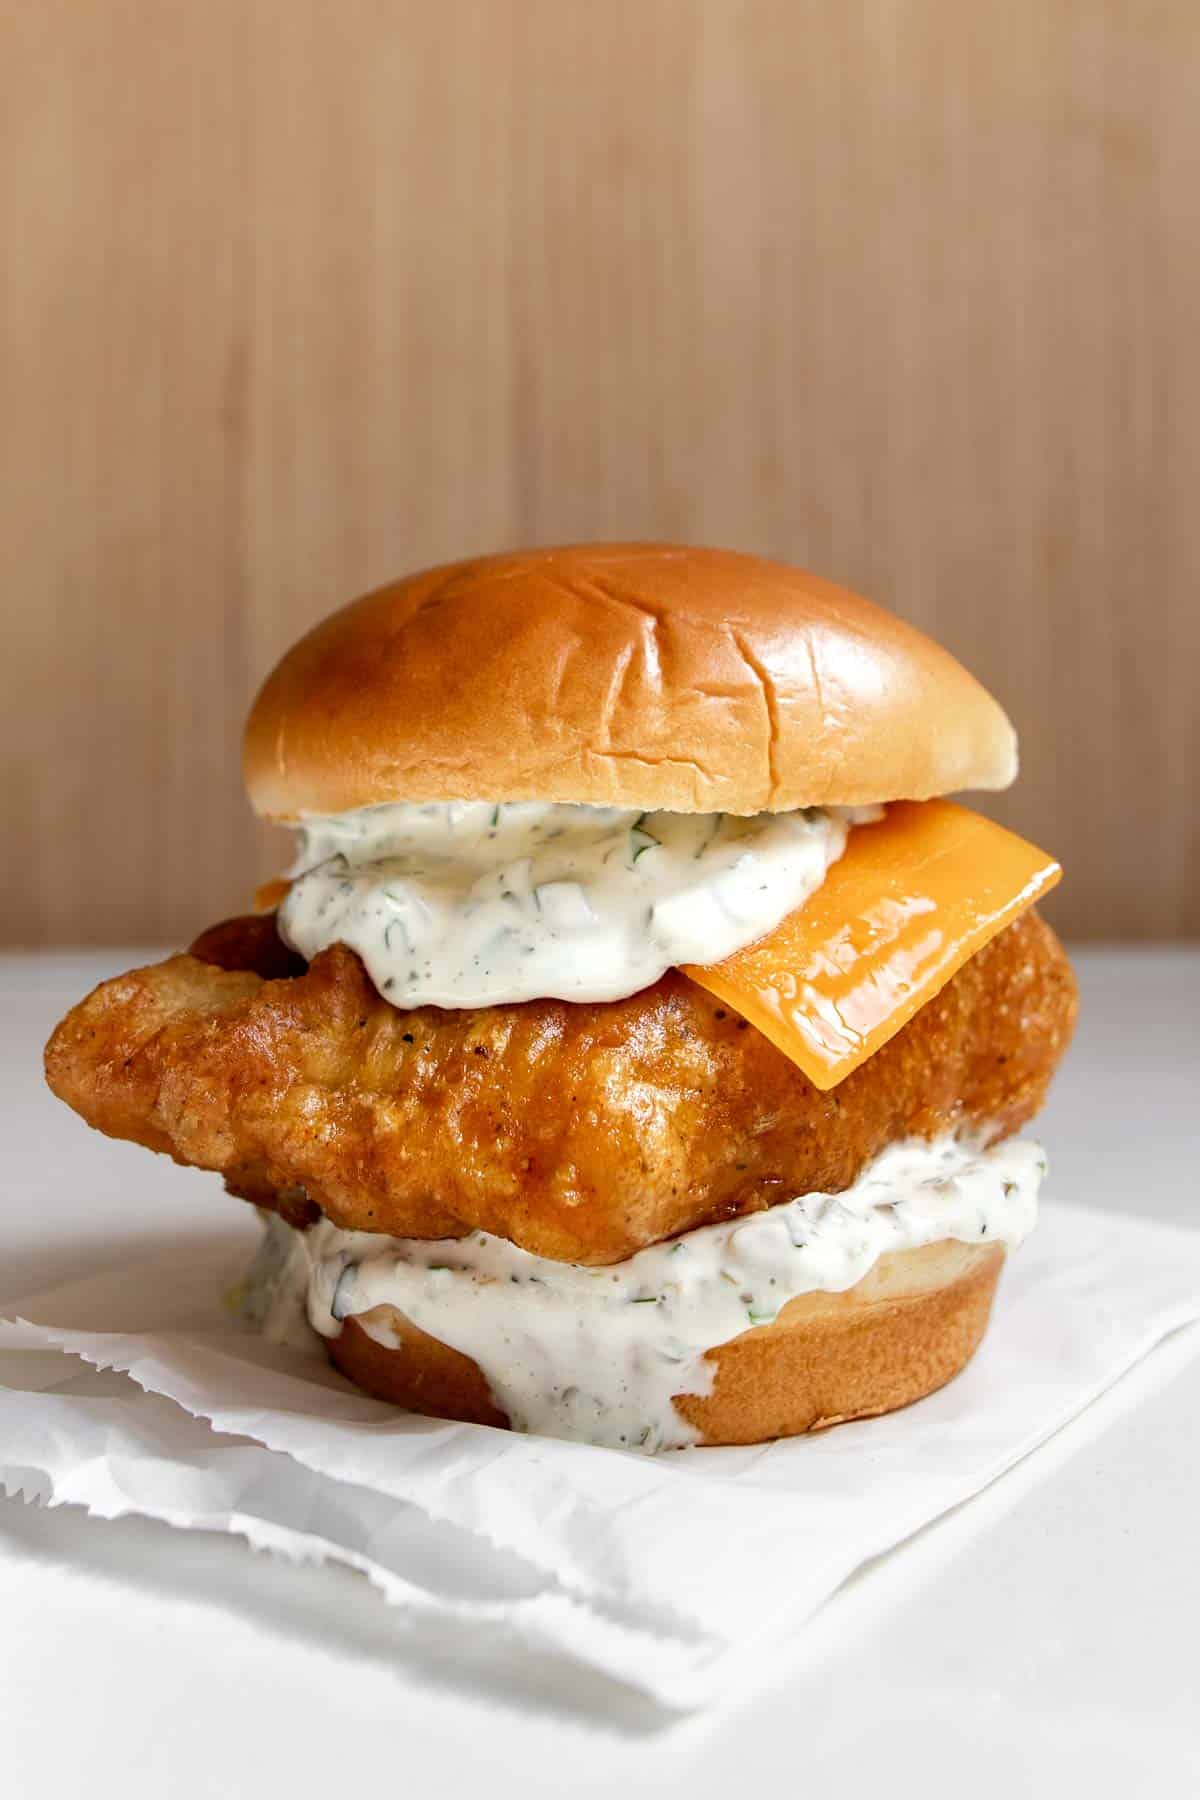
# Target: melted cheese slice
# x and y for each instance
(909, 901)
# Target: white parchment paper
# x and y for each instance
(668, 1574)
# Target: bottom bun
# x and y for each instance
(905, 1329)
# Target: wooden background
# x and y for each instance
(300, 294)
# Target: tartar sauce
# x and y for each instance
(463, 904)
(596, 1353)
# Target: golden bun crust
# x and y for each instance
(639, 675)
(907, 1328)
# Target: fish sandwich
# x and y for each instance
(636, 1049)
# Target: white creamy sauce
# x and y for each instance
(597, 1353)
(462, 903)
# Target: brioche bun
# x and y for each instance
(910, 1325)
(638, 675)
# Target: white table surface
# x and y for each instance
(1041, 1640)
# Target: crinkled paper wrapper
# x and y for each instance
(671, 1575)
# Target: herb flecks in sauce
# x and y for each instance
(463, 903)
(597, 1353)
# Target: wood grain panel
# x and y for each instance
(299, 294)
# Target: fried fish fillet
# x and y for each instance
(581, 1132)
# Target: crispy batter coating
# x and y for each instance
(249, 942)
(581, 1132)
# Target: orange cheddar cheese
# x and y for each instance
(272, 894)
(911, 899)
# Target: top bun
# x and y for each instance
(639, 675)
